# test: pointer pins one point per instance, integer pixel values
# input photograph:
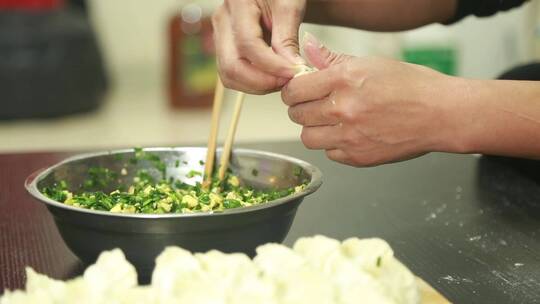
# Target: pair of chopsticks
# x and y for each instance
(212, 140)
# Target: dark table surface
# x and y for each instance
(469, 226)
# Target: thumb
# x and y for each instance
(318, 55)
(285, 24)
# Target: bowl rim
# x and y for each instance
(33, 179)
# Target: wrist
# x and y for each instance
(499, 117)
(461, 122)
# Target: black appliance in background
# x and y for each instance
(50, 63)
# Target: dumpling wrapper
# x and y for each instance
(303, 69)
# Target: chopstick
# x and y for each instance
(212, 139)
(227, 147)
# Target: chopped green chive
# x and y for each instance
(150, 194)
(193, 173)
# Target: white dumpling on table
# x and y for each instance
(317, 270)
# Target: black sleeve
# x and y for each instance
(482, 8)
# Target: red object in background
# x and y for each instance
(30, 4)
(192, 72)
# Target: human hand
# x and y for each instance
(242, 30)
(369, 111)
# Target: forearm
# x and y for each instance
(498, 117)
(379, 15)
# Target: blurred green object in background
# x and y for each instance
(432, 46)
(440, 58)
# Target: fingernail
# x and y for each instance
(311, 39)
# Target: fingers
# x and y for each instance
(246, 78)
(315, 113)
(323, 137)
(308, 87)
(237, 73)
(286, 20)
(248, 37)
(246, 62)
(334, 70)
(338, 155)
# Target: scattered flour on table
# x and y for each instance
(456, 279)
(475, 238)
(437, 211)
(431, 216)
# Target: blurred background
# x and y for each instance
(99, 74)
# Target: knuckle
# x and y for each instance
(307, 139)
(295, 115)
(328, 115)
(348, 116)
(333, 114)
(229, 72)
(339, 156)
(349, 74)
(331, 154)
(350, 139)
(304, 136)
(228, 83)
(355, 75)
(287, 95)
(227, 76)
(347, 141)
(343, 113)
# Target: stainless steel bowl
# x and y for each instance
(143, 236)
